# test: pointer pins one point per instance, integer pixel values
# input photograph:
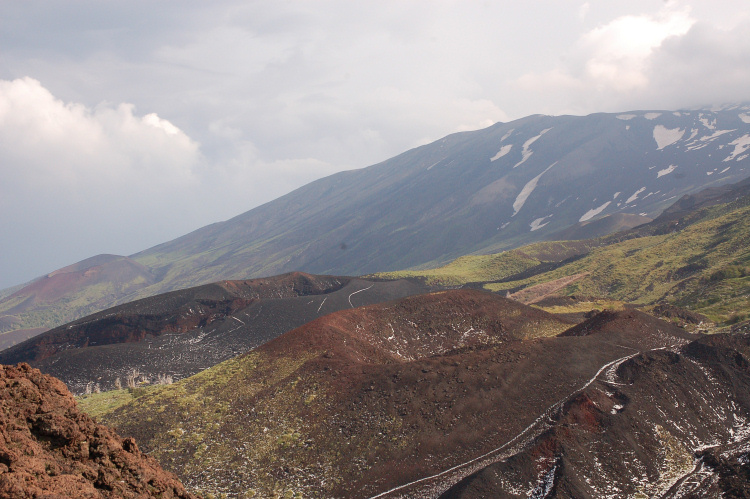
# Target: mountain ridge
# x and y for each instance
(469, 193)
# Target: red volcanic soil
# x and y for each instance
(111, 269)
(422, 326)
(50, 449)
(284, 286)
(406, 390)
(631, 324)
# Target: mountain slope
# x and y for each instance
(180, 333)
(695, 254)
(472, 192)
(600, 227)
(677, 419)
(705, 266)
(460, 195)
(364, 400)
(68, 293)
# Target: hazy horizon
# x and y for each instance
(126, 125)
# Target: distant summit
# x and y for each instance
(472, 192)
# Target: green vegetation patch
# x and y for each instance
(703, 267)
(99, 404)
(470, 268)
(583, 306)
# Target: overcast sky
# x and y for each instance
(127, 124)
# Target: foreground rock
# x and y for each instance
(49, 449)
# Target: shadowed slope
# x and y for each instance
(599, 227)
(182, 332)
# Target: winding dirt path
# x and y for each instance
(447, 478)
(365, 289)
(538, 292)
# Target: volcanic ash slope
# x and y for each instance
(364, 400)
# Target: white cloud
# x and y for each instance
(619, 51)
(615, 55)
(88, 180)
(612, 62)
(68, 146)
(105, 179)
(235, 103)
(583, 11)
(680, 56)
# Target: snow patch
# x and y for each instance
(625, 117)
(616, 195)
(709, 173)
(666, 171)
(537, 224)
(741, 145)
(635, 195)
(704, 141)
(665, 136)
(717, 133)
(724, 170)
(707, 123)
(526, 154)
(507, 134)
(745, 117)
(527, 190)
(592, 213)
(651, 116)
(502, 152)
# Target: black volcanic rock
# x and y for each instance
(183, 332)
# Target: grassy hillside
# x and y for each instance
(704, 266)
(499, 266)
(318, 409)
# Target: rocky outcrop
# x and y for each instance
(48, 448)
